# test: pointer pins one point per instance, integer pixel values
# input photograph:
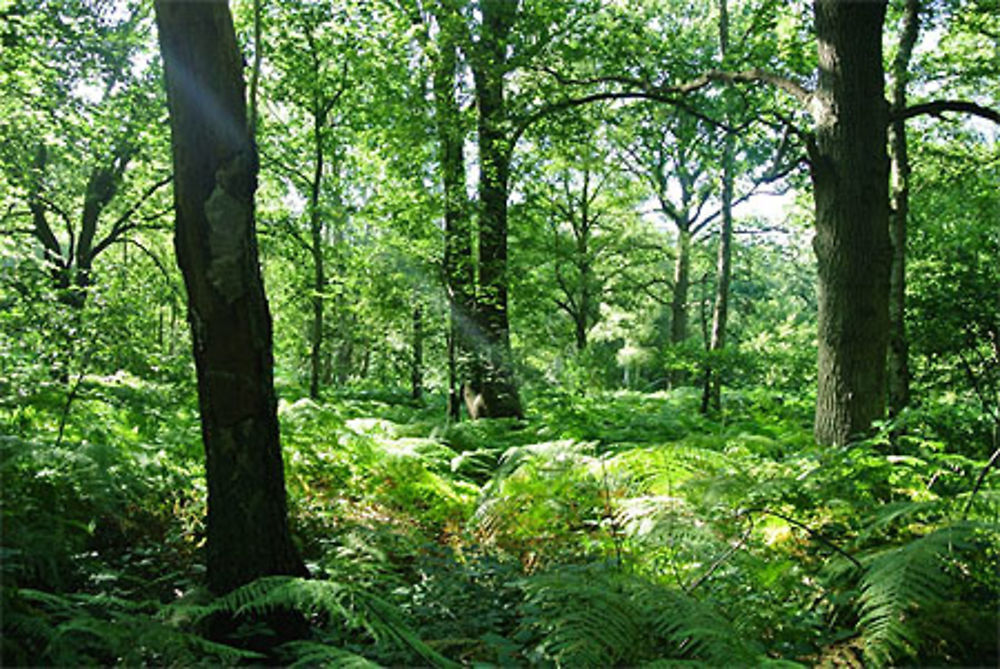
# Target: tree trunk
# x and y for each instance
(493, 388)
(316, 248)
(682, 284)
(712, 391)
(850, 184)
(899, 366)
(679, 299)
(215, 166)
(417, 363)
(459, 269)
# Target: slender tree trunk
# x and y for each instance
(316, 248)
(417, 363)
(850, 172)
(712, 391)
(899, 366)
(215, 167)
(580, 332)
(679, 299)
(459, 268)
(454, 408)
(493, 391)
(682, 285)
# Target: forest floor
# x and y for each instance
(614, 528)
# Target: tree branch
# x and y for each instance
(937, 107)
(122, 224)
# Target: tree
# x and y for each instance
(711, 392)
(86, 106)
(491, 390)
(215, 164)
(583, 204)
(850, 175)
(458, 265)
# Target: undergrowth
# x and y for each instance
(611, 529)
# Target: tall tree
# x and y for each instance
(88, 105)
(215, 163)
(898, 355)
(850, 175)
(458, 263)
(492, 391)
(310, 79)
(712, 392)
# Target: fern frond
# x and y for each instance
(587, 623)
(899, 585)
(595, 617)
(339, 601)
(313, 654)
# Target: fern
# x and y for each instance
(312, 654)
(83, 629)
(903, 584)
(594, 617)
(340, 602)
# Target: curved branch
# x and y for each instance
(937, 107)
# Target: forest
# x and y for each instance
(542, 333)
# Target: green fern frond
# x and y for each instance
(901, 584)
(595, 617)
(339, 601)
(313, 654)
(697, 629)
(84, 629)
(586, 623)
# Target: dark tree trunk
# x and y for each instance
(850, 184)
(215, 166)
(417, 362)
(679, 298)
(316, 248)
(682, 284)
(459, 268)
(712, 391)
(493, 387)
(899, 365)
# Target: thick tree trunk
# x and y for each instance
(899, 365)
(493, 388)
(215, 167)
(850, 183)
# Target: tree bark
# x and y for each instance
(493, 390)
(417, 362)
(459, 268)
(215, 167)
(316, 248)
(850, 184)
(712, 391)
(899, 365)
(682, 284)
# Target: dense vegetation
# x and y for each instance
(647, 481)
